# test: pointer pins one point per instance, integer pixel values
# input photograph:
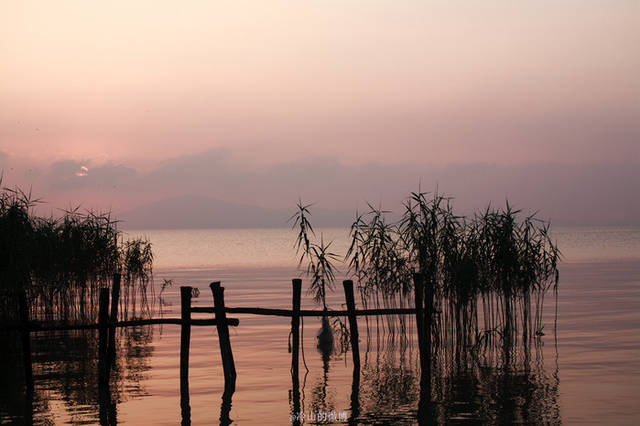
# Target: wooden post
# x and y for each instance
(424, 315)
(103, 320)
(26, 341)
(428, 315)
(113, 319)
(418, 284)
(185, 337)
(295, 325)
(355, 349)
(223, 335)
(353, 322)
(295, 355)
(115, 297)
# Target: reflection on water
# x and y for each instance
(510, 388)
(499, 385)
(493, 387)
(390, 387)
(66, 371)
(596, 362)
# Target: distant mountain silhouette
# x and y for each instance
(197, 211)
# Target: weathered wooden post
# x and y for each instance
(103, 320)
(223, 335)
(424, 313)
(428, 315)
(113, 319)
(26, 341)
(185, 337)
(115, 297)
(353, 322)
(295, 325)
(295, 355)
(418, 287)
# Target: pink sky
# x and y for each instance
(432, 83)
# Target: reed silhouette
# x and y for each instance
(486, 278)
(61, 263)
(489, 273)
(492, 262)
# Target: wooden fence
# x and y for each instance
(107, 323)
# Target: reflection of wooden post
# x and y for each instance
(103, 369)
(26, 341)
(295, 355)
(225, 407)
(223, 335)
(28, 408)
(185, 337)
(353, 322)
(355, 396)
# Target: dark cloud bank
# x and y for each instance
(567, 194)
(216, 189)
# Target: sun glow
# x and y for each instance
(84, 171)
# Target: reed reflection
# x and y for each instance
(67, 366)
(322, 400)
(494, 383)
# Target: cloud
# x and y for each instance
(73, 174)
(565, 193)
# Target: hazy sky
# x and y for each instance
(130, 85)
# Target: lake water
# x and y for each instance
(585, 369)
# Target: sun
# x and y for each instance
(84, 171)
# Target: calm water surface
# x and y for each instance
(588, 371)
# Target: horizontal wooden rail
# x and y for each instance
(38, 326)
(308, 312)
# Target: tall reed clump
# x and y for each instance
(489, 273)
(319, 260)
(320, 269)
(62, 262)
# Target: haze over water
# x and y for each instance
(224, 248)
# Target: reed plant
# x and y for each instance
(62, 262)
(321, 271)
(489, 273)
(319, 260)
